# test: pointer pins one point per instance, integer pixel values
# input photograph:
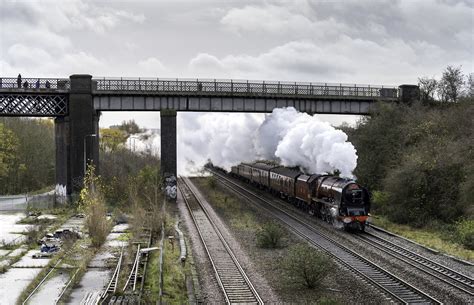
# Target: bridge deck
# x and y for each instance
(42, 96)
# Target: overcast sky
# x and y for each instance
(383, 42)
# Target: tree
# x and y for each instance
(428, 88)
(451, 84)
(470, 85)
(111, 139)
(8, 150)
(130, 127)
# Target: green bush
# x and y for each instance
(306, 266)
(212, 182)
(465, 233)
(270, 235)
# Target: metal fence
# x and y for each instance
(243, 87)
(205, 86)
(41, 84)
(26, 201)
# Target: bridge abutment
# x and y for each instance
(83, 130)
(168, 151)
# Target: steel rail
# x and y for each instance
(134, 270)
(227, 275)
(443, 273)
(400, 290)
(114, 279)
(42, 281)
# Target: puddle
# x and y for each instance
(50, 290)
(93, 280)
(27, 261)
(14, 281)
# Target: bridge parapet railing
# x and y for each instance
(28, 84)
(244, 87)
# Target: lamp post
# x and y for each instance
(85, 157)
(134, 139)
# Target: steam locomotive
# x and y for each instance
(339, 201)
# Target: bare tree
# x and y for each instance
(470, 85)
(450, 85)
(428, 88)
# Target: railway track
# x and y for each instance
(133, 287)
(443, 273)
(397, 289)
(234, 283)
(113, 283)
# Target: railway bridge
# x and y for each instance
(76, 103)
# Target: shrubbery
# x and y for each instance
(92, 202)
(306, 266)
(418, 161)
(270, 235)
(465, 233)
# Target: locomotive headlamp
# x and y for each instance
(347, 219)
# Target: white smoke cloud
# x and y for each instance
(225, 139)
(293, 138)
(286, 135)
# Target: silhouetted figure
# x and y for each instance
(37, 84)
(47, 85)
(25, 84)
(199, 86)
(18, 80)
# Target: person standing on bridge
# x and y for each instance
(18, 80)
(37, 84)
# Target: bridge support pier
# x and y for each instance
(168, 151)
(62, 139)
(83, 130)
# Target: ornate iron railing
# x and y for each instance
(40, 84)
(243, 87)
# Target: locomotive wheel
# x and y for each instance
(311, 210)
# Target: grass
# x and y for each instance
(174, 276)
(227, 204)
(436, 238)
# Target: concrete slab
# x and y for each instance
(18, 251)
(120, 228)
(4, 252)
(27, 261)
(93, 280)
(50, 290)
(14, 281)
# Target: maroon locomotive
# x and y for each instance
(334, 199)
